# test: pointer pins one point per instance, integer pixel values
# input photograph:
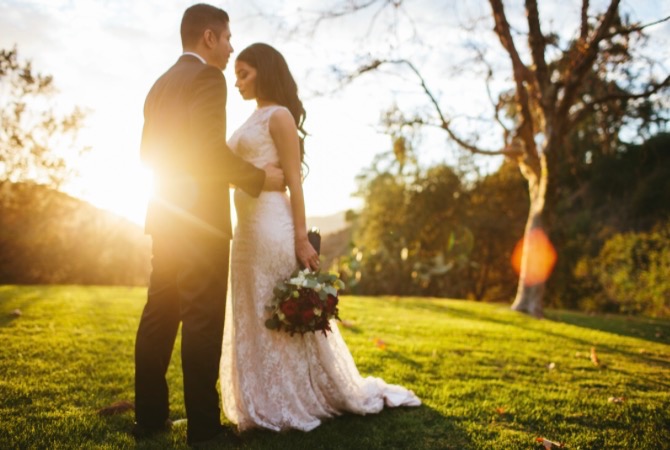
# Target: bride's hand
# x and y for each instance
(307, 256)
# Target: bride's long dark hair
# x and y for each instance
(275, 83)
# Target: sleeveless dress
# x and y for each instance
(270, 379)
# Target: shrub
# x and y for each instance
(630, 274)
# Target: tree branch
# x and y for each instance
(522, 75)
(497, 106)
(352, 8)
(537, 44)
(636, 28)
(443, 122)
(584, 30)
(585, 54)
(588, 108)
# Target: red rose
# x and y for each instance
(307, 315)
(331, 303)
(310, 297)
(289, 307)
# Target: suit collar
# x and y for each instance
(190, 56)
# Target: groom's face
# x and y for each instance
(222, 49)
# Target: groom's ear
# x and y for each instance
(210, 38)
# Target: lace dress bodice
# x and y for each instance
(270, 379)
(252, 141)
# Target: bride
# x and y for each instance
(270, 379)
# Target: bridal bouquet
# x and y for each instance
(305, 302)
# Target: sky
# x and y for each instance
(105, 55)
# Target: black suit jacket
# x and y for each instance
(184, 142)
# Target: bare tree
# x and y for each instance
(550, 96)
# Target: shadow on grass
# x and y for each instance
(11, 300)
(422, 427)
(619, 325)
(654, 330)
(416, 428)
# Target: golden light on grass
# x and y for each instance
(541, 259)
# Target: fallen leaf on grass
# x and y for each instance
(347, 324)
(551, 366)
(16, 313)
(379, 343)
(549, 444)
(594, 357)
(500, 410)
(616, 399)
(118, 407)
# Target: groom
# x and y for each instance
(184, 142)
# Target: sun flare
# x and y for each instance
(125, 194)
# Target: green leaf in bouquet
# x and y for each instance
(323, 295)
(323, 277)
(330, 290)
(311, 283)
(272, 323)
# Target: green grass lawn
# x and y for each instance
(489, 378)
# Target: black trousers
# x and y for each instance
(188, 284)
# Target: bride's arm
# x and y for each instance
(285, 136)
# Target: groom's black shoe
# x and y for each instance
(140, 431)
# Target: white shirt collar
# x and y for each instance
(196, 55)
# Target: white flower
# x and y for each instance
(318, 287)
(299, 280)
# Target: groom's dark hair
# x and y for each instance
(201, 17)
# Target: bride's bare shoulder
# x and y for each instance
(281, 119)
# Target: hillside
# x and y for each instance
(329, 224)
(47, 236)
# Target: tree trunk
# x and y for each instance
(538, 257)
(530, 291)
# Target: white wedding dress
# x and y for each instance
(270, 379)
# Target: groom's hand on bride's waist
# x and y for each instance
(274, 178)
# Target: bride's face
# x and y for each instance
(246, 80)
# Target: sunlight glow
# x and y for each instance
(541, 259)
(125, 194)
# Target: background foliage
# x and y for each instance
(430, 232)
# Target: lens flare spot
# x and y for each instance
(541, 257)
